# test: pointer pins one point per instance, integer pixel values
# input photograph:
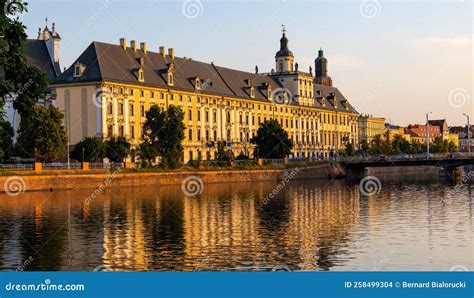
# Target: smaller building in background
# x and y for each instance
(369, 127)
(444, 130)
(463, 140)
(395, 130)
(419, 133)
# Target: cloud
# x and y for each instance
(437, 41)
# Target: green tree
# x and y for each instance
(439, 146)
(147, 153)
(452, 147)
(364, 146)
(6, 141)
(164, 133)
(172, 137)
(45, 138)
(27, 83)
(377, 145)
(223, 155)
(272, 140)
(89, 150)
(401, 145)
(117, 149)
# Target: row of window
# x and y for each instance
(327, 138)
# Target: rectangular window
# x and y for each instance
(121, 131)
(132, 131)
(142, 110)
(198, 115)
(120, 108)
(190, 115)
(109, 108)
(190, 134)
(130, 92)
(132, 109)
(142, 93)
(152, 94)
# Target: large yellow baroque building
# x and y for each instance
(109, 89)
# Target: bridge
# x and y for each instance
(450, 162)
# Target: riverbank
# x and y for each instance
(124, 178)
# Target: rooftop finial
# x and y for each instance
(283, 29)
(46, 21)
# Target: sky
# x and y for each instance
(394, 59)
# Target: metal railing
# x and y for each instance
(275, 161)
(61, 166)
(407, 157)
(17, 167)
(102, 165)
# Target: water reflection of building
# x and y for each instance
(321, 222)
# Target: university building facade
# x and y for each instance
(109, 89)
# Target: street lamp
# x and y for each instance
(468, 134)
(66, 121)
(428, 135)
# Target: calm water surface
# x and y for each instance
(310, 225)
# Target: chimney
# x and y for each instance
(133, 45)
(123, 43)
(163, 51)
(143, 47)
(171, 53)
(52, 42)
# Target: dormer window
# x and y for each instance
(197, 83)
(141, 75)
(252, 92)
(269, 92)
(78, 69)
(170, 72)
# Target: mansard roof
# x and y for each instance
(108, 62)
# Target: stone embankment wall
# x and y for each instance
(117, 179)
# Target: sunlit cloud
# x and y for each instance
(450, 42)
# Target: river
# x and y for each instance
(413, 223)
